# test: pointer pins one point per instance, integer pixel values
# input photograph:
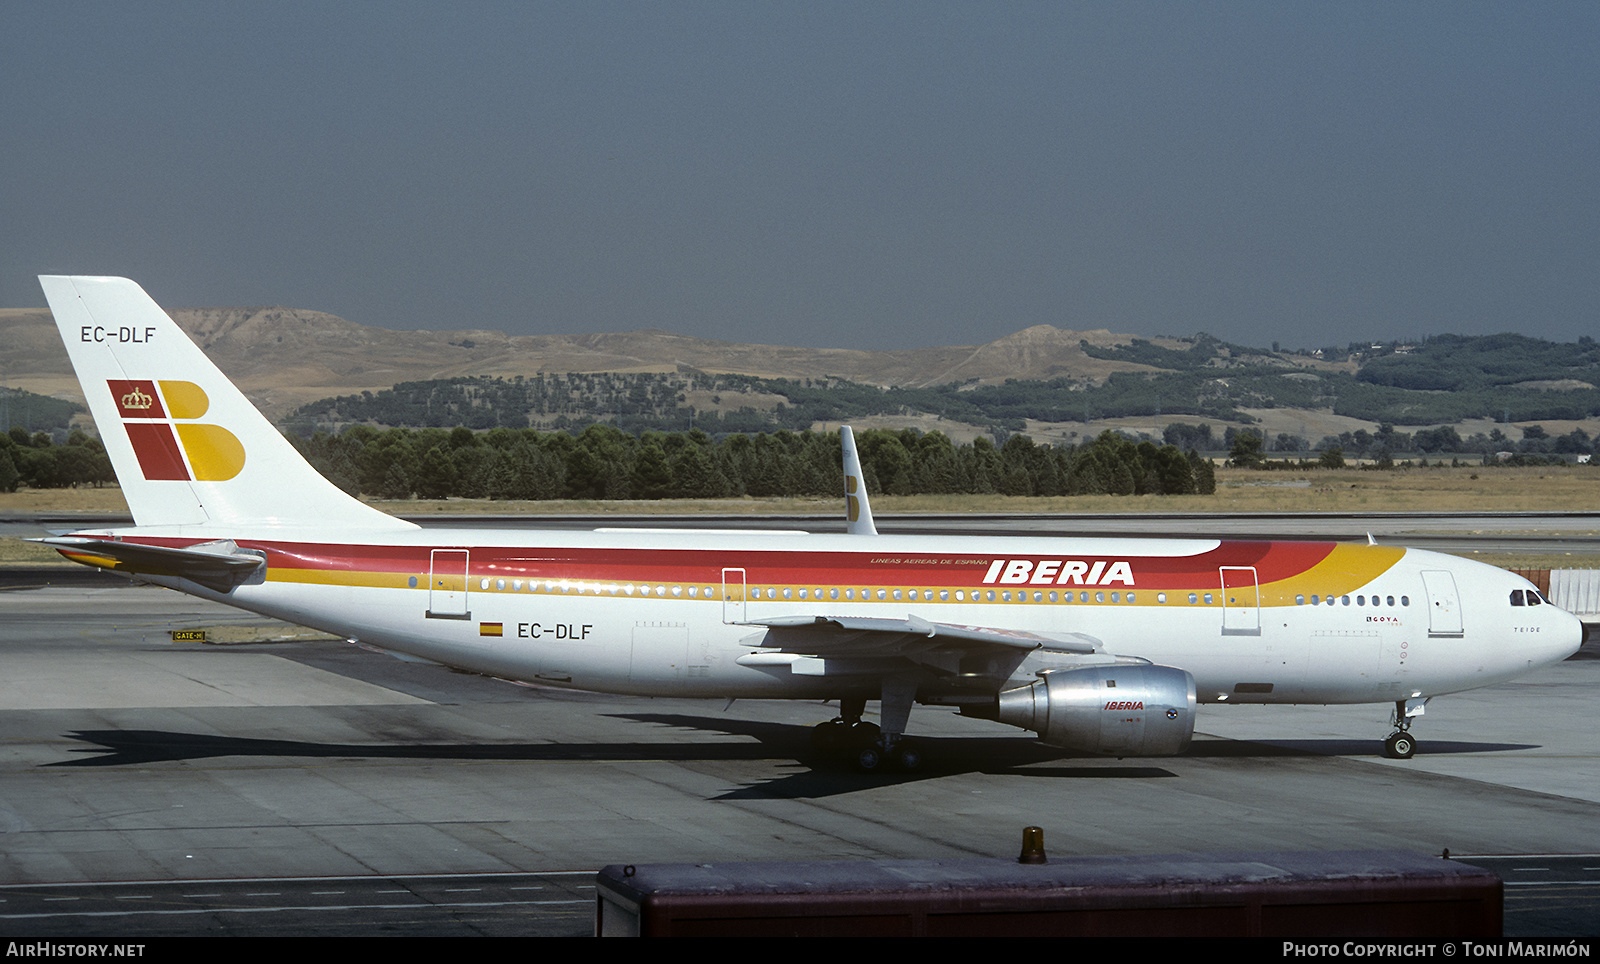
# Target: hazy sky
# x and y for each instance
(827, 174)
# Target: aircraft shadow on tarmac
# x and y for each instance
(1016, 756)
(812, 778)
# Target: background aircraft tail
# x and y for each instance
(857, 507)
(187, 446)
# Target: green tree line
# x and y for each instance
(37, 462)
(602, 462)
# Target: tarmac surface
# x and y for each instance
(244, 786)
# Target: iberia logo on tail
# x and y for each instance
(169, 444)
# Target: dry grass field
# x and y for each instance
(1472, 489)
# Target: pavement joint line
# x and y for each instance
(284, 910)
(491, 874)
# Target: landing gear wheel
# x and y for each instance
(907, 757)
(869, 759)
(830, 736)
(1400, 746)
(863, 734)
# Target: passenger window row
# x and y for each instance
(851, 593)
(1361, 600)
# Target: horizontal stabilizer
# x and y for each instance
(217, 565)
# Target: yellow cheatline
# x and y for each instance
(214, 453)
(341, 577)
(185, 399)
(1345, 569)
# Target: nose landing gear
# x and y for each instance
(1401, 745)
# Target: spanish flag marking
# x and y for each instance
(491, 629)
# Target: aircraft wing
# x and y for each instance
(912, 637)
(212, 564)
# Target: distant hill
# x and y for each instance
(319, 370)
(285, 357)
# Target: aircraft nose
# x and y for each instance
(1575, 635)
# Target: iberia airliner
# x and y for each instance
(1098, 645)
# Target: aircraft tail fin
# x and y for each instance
(187, 446)
(857, 508)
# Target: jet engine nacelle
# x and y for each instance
(1115, 710)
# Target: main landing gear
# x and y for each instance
(867, 747)
(1401, 745)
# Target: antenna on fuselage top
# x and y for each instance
(857, 509)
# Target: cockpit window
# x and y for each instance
(1516, 597)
